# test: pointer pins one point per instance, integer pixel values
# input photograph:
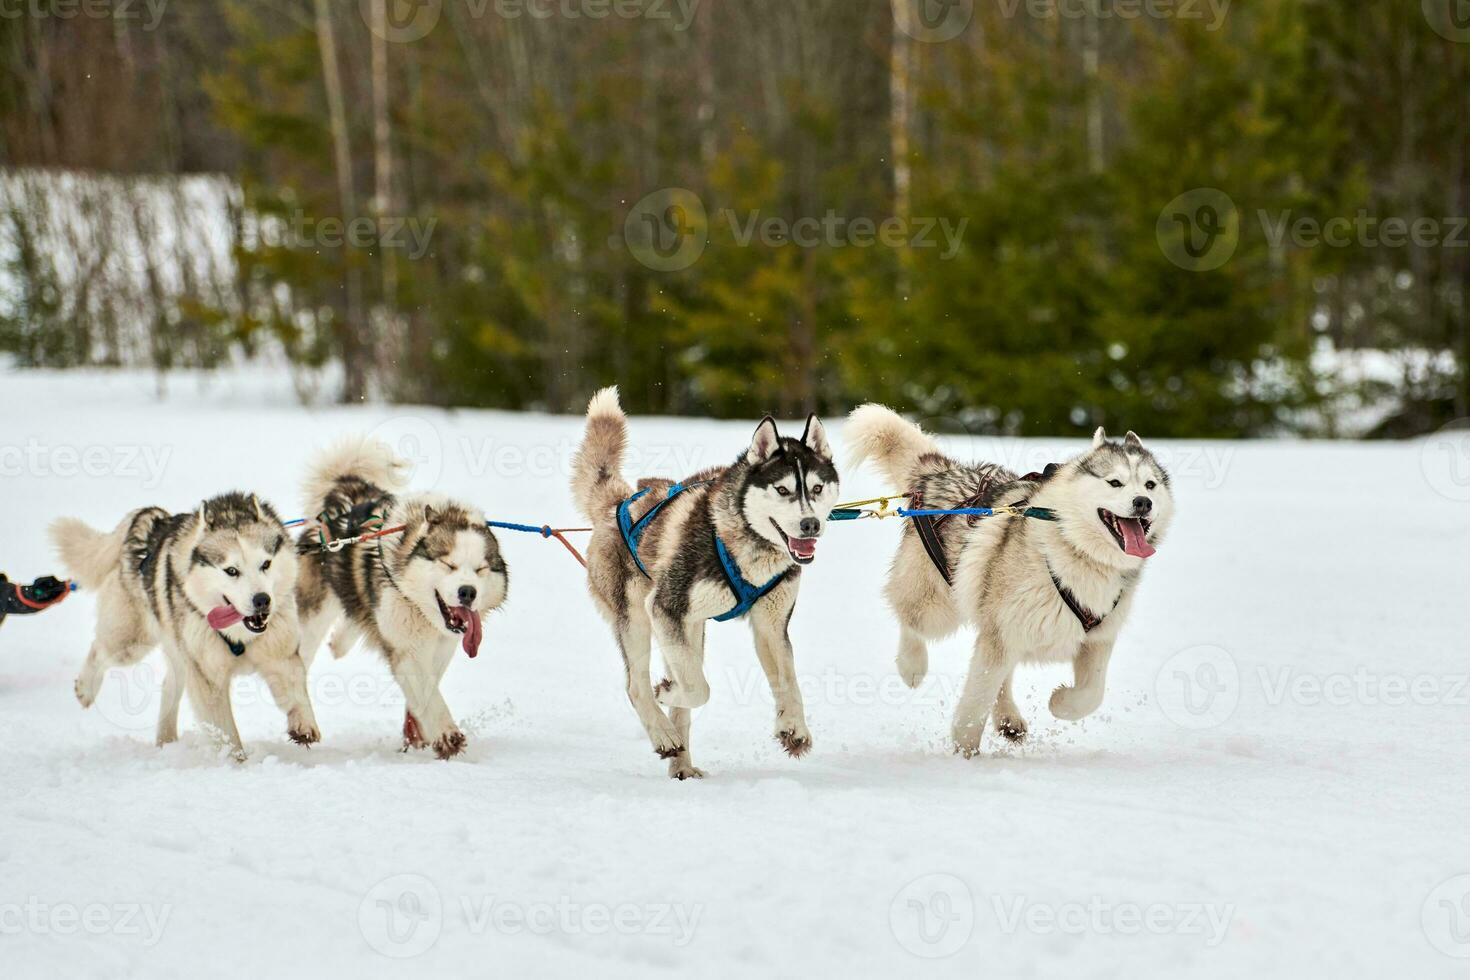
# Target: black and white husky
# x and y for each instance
(215, 589)
(727, 543)
(1037, 590)
(415, 596)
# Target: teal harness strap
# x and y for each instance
(632, 530)
(236, 647)
(746, 594)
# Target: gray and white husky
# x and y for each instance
(1036, 590)
(215, 589)
(415, 596)
(724, 544)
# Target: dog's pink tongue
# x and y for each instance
(221, 617)
(473, 633)
(803, 547)
(1134, 542)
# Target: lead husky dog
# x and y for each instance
(414, 596)
(215, 588)
(726, 543)
(1037, 590)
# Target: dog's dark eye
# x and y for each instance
(1115, 484)
(232, 572)
(817, 489)
(1149, 485)
(266, 566)
(783, 491)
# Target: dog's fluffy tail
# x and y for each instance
(370, 460)
(896, 445)
(597, 482)
(88, 554)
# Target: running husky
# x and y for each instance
(187, 582)
(414, 596)
(727, 542)
(1052, 587)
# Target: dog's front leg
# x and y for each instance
(990, 667)
(769, 621)
(418, 676)
(287, 682)
(681, 641)
(211, 703)
(1089, 678)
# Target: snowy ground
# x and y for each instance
(1276, 785)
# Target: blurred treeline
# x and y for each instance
(523, 142)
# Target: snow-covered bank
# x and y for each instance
(1275, 785)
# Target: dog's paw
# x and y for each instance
(796, 741)
(913, 665)
(1074, 704)
(412, 737)
(1013, 729)
(684, 770)
(967, 739)
(305, 735)
(672, 695)
(86, 693)
(450, 744)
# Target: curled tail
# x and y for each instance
(901, 450)
(369, 460)
(88, 554)
(597, 482)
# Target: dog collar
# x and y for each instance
(1089, 619)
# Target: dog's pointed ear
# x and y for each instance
(429, 516)
(815, 437)
(1131, 439)
(764, 443)
(255, 502)
(1099, 438)
(203, 514)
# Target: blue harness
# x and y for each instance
(746, 594)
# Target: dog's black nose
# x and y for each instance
(467, 595)
(811, 527)
(262, 602)
(1142, 505)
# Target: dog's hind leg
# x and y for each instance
(168, 708)
(990, 667)
(287, 682)
(1089, 679)
(635, 641)
(1008, 720)
(89, 681)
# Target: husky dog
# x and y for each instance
(1040, 590)
(414, 596)
(216, 589)
(726, 543)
